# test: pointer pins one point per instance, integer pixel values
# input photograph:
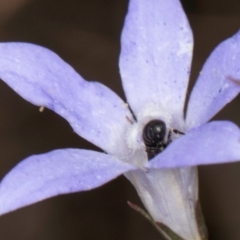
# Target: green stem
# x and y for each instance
(166, 232)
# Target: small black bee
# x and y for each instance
(154, 134)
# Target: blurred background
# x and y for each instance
(86, 34)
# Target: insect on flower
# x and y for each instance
(156, 43)
(156, 138)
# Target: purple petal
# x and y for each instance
(41, 77)
(156, 54)
(214, 142)
(216, 85)
(58, 172)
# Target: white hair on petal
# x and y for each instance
(154, 111)
(134, 137)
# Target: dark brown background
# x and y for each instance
(86, 34)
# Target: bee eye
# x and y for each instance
(154, 133)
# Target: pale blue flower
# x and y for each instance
(155, 64)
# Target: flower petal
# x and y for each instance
(214, 142)
(58, 172)
(41, 77)
(216, 85)
(170, 196)
(156, 54)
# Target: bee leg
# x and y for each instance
(178, 132)
(168, 139)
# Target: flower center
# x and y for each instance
(156, 138)
(153, 130)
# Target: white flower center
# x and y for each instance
(134, 135)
